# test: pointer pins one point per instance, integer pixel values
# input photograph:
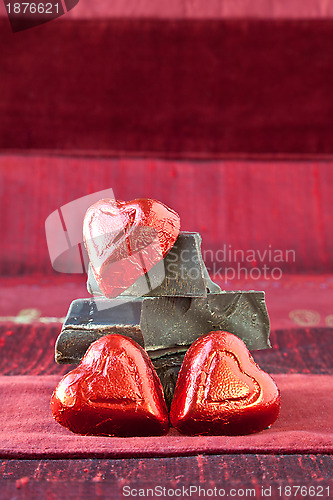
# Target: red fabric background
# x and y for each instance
(201, 88)
(245, 204)
(191, 80)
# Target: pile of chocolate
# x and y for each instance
(152, 298)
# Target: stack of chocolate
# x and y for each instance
(164, 305)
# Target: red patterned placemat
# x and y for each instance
(28, 430)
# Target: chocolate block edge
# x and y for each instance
(171, 322)
(72, 344)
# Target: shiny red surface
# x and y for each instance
(125, 240)
(221, 390)
(115, 391)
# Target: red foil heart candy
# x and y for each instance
(115, 391)
(220, 390)
(124, 240)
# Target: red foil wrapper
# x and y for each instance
(115, 391)
(125, 240)
(221, 390)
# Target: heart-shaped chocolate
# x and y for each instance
(115, 391)
(124, 240)
(220, 390)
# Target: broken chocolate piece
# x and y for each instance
(171, 324)
(89, 319)
(167, 369)
(211, 287)
(163, 325)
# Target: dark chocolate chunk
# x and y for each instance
(172, 324)
(211, 287)
(89, 319)
(167, 368)
(182, 273)
(163, 325)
